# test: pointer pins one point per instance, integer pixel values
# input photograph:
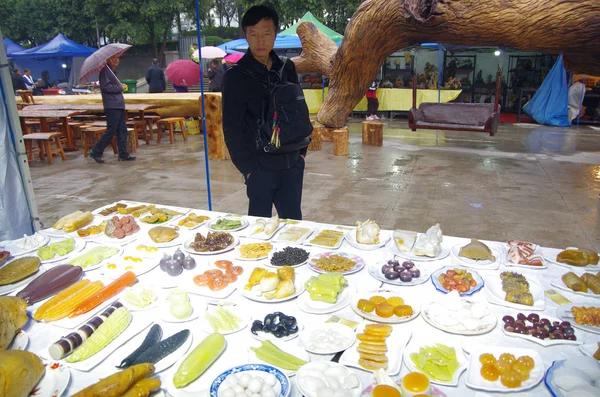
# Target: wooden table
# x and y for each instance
(94, 107)
(43, 115)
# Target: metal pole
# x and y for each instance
(198, 31)
(440, 72)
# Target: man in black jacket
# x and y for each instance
(270, 178)
(17, 80)
(155, 78)
(116, 116)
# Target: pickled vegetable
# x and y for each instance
(198, 361)
(19, 269)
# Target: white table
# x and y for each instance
(41, 335)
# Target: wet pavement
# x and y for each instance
(528, 182)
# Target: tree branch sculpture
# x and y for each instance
(381, 27)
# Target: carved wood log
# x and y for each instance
(340, 142)
(372, 133)
(132, 141)
(217, 150)
(316, 143)
(380, 27)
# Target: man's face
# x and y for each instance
(28, 73)
(113, 62)
(261, 37)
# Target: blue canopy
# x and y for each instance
(281, 42)
(12, 47)
(60, 46)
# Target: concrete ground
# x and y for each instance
(528, 182)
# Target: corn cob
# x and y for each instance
(41, 311)
(114, 325)
(63, 307)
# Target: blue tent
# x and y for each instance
(59, 46)
(11, 47)
(281, 42)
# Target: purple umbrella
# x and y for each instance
(95, 62)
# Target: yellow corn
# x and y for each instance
(65, 306)
(41, 311)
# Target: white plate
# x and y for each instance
(260, 335)
(198, 308)
(20, 341)
(102, 263)
(307, 305)
(176, 222)
(560, 285)
(282, 388)
(436, 281)
(238, 253)
(332, 330)
(495, 294)
(186, 248)
(563, 312)
(396, 343)
(262, 235)
(177, 241)
(232, 218)
(52, 232)
(410, 255)
(417, 343)
(121, 267)
(79, 245)
(316, 233)
(359, 262)
(240, 312)
(497, 250)
(159, 297)
(589, 349)
(300, 240)
(97, 211)
(386, 294)
(105, 240)
(320, 366)
(182, 212)
(487, 323)
(253, 294)
(8, 288)
(15, 250)
(54, 382)
(475, 381)
(426, 271)
(384, 237)
(72, 323)
(544, 342)
(165, 363)
(550, 256)
(137, 325)
(291, 348)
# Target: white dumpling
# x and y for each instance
(244, 379)
(311, 383)
(255, 385)
(336, 372)
(351, 381)
(270, 380)
(269, 392)
(228, 393)
(238, 389)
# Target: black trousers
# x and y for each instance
(283, 188)
(372, 106)
(116, 123)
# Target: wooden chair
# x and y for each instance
(45, 141)
(169, 124)
(91, 135)
(75, 131)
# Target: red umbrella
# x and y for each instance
(95, 62)
(183, 72)
(233, 58)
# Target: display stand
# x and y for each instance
(372, 133)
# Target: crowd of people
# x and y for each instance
(26, 81)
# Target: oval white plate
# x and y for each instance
(495, 294)
(329, 328)
(436, 282)
(104, 239)
(300, 240)
(359, 262)
(20, 341)
(375, 272)
(544, 342)
(384, 237)
(102, 263)
(198, 308)
(269, 336)
(186, 248)
(416, 344)
(550, 256)
(307, 305)
(563, 312)
(239, 312)
(291, 348)
(79, 245)
(488, 323)
(320, 366)
(54, 382)
(497, 251)
(475, 381)
(176, 222)
(560, 285)
(252, 295)
(417, 258)
(386, 294)
(233, 218)
(138, 268)
(8, 288)
(15, 250)
(316, 233)
(177, 241)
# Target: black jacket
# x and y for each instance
(216, 78)
(111, 89)
(155, 78)
(18, 83)
(244, 98)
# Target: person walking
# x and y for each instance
(372, 102)
(17, 80)
(28, 80)
(271, 178)
(116, 116)
(155, 78)
(193, 49)
(215, 74)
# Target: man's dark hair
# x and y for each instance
(256, 13)
(214, 62)
(155, 61)
(196, 44)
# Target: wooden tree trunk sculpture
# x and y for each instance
(380, 27)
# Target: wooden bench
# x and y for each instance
(372, 133)
(169, 125)
(45, 141)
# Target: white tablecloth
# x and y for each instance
(42, 335)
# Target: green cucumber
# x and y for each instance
(154, 336)
(163, 348)
(273, 355)
(199, 360)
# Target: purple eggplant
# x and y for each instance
(50, 282)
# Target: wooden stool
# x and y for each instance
(372, 133)
(340, 141)
(47, 138)
(132, 140)
(150, 120)
(326, 133)
(91, 135)
(139, 127)
(75, 131)
(169, 123)
(316, 142)
(26, 96)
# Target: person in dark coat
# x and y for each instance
(116, 116)
(17, 80)
(215, 74)
(155, 78)
(270, 178)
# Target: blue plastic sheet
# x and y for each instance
(549, 105)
